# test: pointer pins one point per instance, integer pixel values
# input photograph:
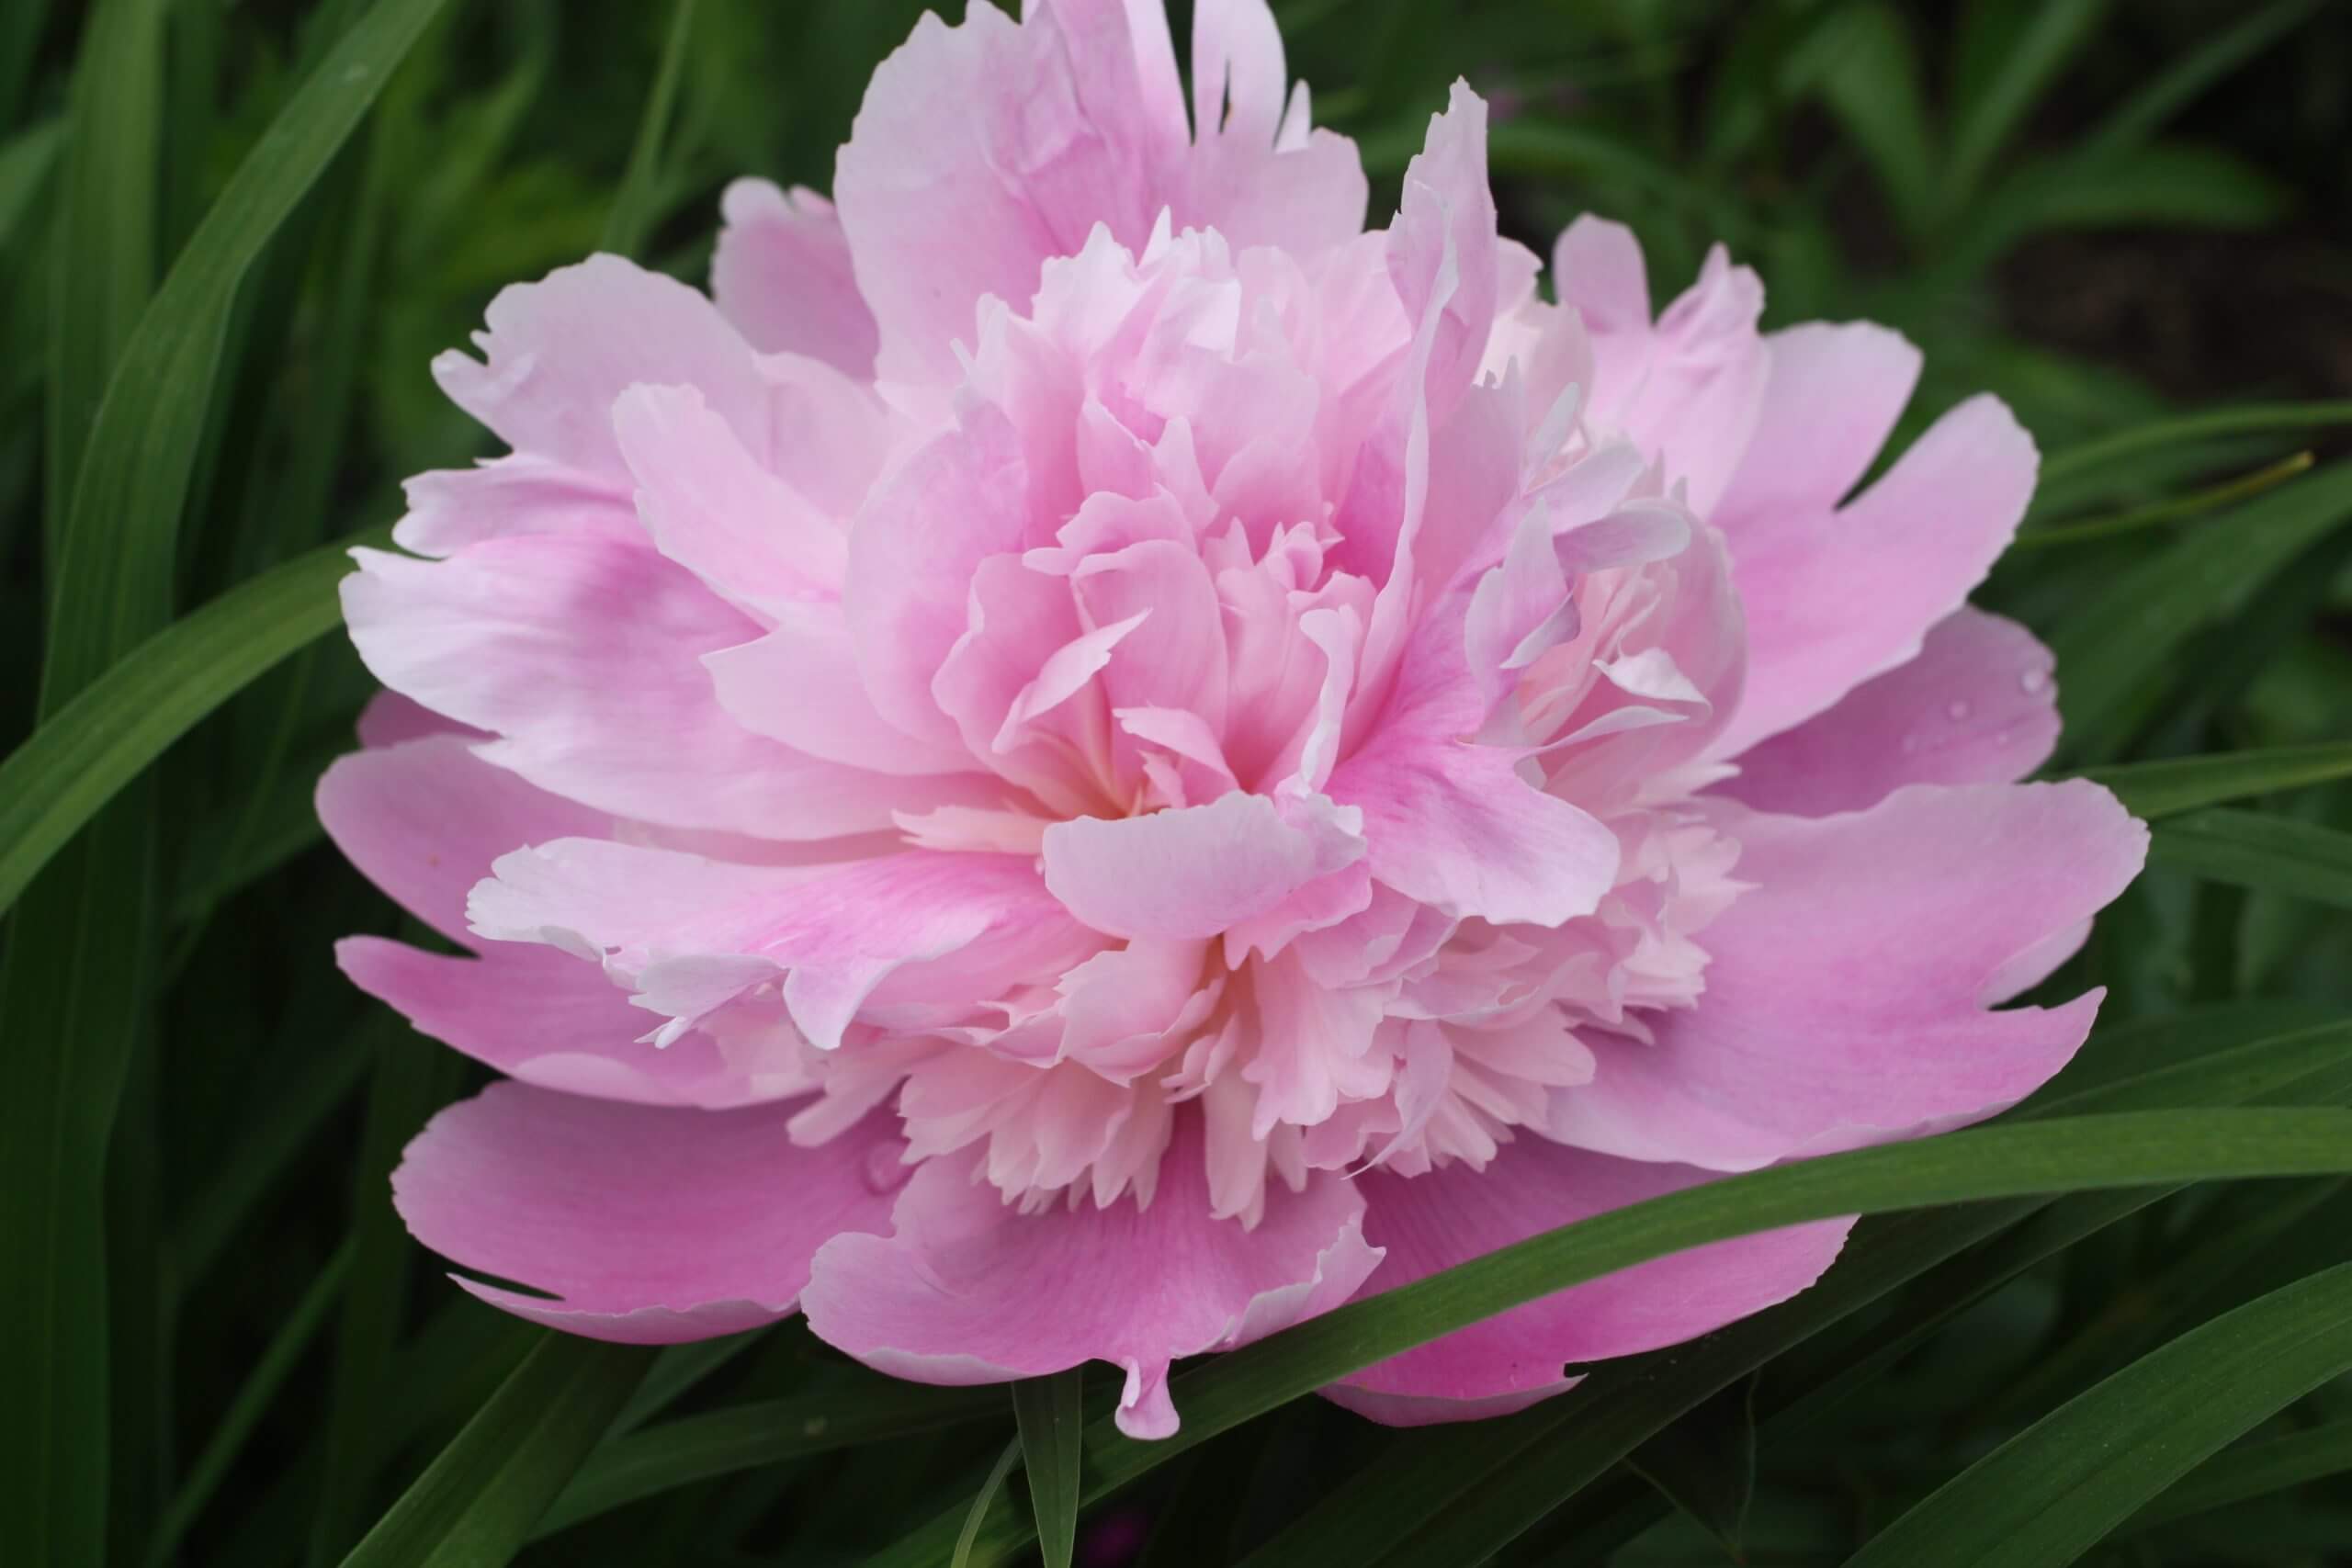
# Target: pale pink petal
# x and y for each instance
(1847, 993)
(781, 275)
(519, 493)
(1192, 873)
(645, 1224)
(1834, 598)
(1977, 706)
(800, 684)
(692, 933)
(424, 819)
(1454, 1214)
(970, 1290)
(1832, 395)
(559, 352)
(713, 511)
(1445, 228)
(913, 555)
(584, 654)
(1454, 824)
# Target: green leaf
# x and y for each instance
(2255, 850)
(2012, 50)
(982, 1501)
(1864, 65)
(1048, 1411)
(632, 208)
(2176, 184)
(411, 1080)
(104, 253)
(2119, 649)
(76, 761)
(2053, 1490)
(2175, 509)
(2168, 435)
(25, 163)
(475, 1504)
(252, 1401)
(2253, 1470)
(698, 1448)
(2174, 785)
(2136, 1149)
(1705, 1465)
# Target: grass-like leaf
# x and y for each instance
(1048, 1411)
(2258, 851)
(2253, 1470)
(75, 763)
(697, 1448)
(2054, 1489)
(2171, 786)
(477, 1500)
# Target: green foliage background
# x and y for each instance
(231, 235)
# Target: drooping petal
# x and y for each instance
(1835, 597)
(1847, 993)
(1977, 706)
(968, 1288)
(645, 1224)
(1455, 1213)
(782, 276)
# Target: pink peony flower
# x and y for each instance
(1095, 760)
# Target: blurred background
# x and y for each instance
(2107, 212)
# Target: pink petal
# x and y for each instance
(1833, 392)
(1977, 706)
(799, 685)
(424, 819)
(547, 1019)
(715, 511)
(519, 493)
(1834, 598)
(782, 276)
(1191, 873)
(1845, 999)
(1448, 217)
(584, 654)
(1452, 824)
(390, 718)
(560, 351)
(970, 1290)
(1455, 1213)
(692, 932)
(913, 556)
(648, 1225)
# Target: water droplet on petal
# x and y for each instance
(2033, 683)
(1956, 711)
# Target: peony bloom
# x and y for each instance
(1093, 760)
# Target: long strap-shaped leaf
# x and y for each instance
(71, 986)
(1047, 1409)
(2174, 785)
(2267, 854)
(2071, 1154)
(2051, 1492)
(58, 780)
(476, 1503)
